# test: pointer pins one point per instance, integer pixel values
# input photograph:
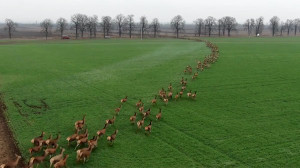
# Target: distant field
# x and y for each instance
(246, 113)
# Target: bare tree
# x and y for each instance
(282, 28)
(249, 26)
(177, 24)
(230, 23)
(130, 24)
(82, 24)
(76, 20)
(296, 25)
(274, 23)
(10, 27)
(210, 22)
(144, 25)
(61, 26)
(155, 26)
(46, 26)
(106, 25)
(92, 25)
(289, 26)
(259, 25)
(199, 23)
(220, 24)
(120, 21)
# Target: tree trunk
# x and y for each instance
(76, 29)
(177, 33)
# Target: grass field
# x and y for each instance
(246, 113)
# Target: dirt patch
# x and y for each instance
(8, 147)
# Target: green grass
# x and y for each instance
(246, 113)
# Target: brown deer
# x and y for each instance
(36, 141)
(176, 96)
(37, 160)
(111, 121)
(124, 100)
(181, 93)
(153, 101)
(51, 151)
(170, 87)
(158, 116)
(140, 123)
(52, 142)
(117, 110)
(133, 118)
(82, 140)
(149, 127)
(72, 137)
(94, 142)
(189, 94)
(13, 163)
(35, 149)
(102, 131)
(141, 109)
(170, 94)
(139, 103)
(194, 95)
(80, 123)
(84, 154)
(113, 136)
(62, 162)
(166, 100)
(57, 158)
(147, 113)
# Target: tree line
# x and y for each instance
(82, 23)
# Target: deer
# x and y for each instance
(80, 123)
(72, 137)
(35, 149)
(83, 154)
(133, 118)
(117, 110)
(139, 103)
(194, 95)
(180, 93)
(147, 113)
(140, 123)
(82, 140)
(111, 121)
(102, 131)
(62, 162)
(170, 87)
(182, 80)
(52, 141)
(141, 109)
(189, 94)
(124, 100)
(51, 151)
(113, 136)
(176, 96)
(44, 141)
(149, 127)
(166, 100)
(170, 94)
(12, 163)
(153, 101)
(36, 141)
(93, 142)
(57, 158)
(158, 116)
(37, 160)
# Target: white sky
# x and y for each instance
(30, 11)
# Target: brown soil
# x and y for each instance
(8, 147)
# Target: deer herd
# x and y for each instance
(50, 146)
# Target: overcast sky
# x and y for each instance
(31, 11)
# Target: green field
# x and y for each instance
(246, 113)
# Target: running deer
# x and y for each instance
(37, 160)
(124, 100)
(84, 154)
(62, 162)
(13, 163)
(102, 131)
(140, 123)
(72, 137)
(52, 142)
(133, 118)
(37, 140)
(139, 103)
(57, 158)
(35, 149)
(51, 151)
(113, 136)
(170, 87)
(194, 95)
(117, 110)
(149, 127)
(176, 96)
(80, 123)
(94, 142)
(189, 94)
(158, 116)
(82, 141)
(153, 101)
(111, 121)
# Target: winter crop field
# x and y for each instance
(246, 112)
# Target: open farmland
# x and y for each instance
(246, 113)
